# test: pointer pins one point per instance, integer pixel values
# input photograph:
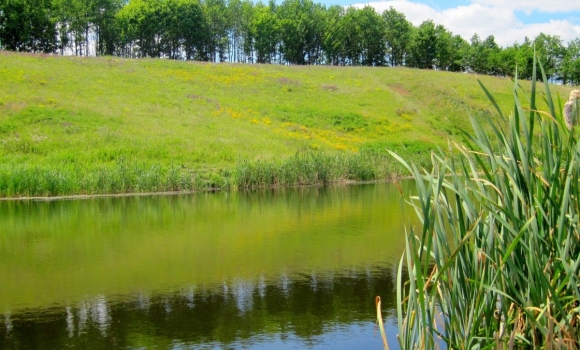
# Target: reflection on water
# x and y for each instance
(277, 269)
(298, 310)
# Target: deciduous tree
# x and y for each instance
(397, 36)
(423, 47)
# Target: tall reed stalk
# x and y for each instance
(496, 263)
(316, 168)
(132, 176)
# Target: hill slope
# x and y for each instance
(89, 115)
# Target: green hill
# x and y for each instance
(72, 125)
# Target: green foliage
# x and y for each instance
(301, 32)
(265, 28)
(349, 122)
(216, 37)
(443, 45)
(76, 118)
(423, 47)
(293, 32)
(483, 55)
(27, 25)
(524, 59)
(175, 29)
(570, 66)
(495, 264)
(365, 37)
(120, 177)
(550, 51)
(397, 35)
(315, 168)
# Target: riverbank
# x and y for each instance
(86, 126)
(122, 179)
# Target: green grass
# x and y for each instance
(71, 125)
(495, 263)
(311, 168)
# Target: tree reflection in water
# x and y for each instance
(280, 268)
(303, 310)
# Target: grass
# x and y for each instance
(71, 125)
(319, 169)
(495, 263)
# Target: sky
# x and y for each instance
(509, 21)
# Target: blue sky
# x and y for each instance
(539, 17)
(508, 21)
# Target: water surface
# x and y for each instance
(293, 268)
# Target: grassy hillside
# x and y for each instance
(100, 125)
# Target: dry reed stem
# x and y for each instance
(568, 115)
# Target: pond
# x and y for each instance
(276, 269)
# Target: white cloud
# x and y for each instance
(528, 6)
(564, 29)
(485, 18)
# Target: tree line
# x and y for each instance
(293, 32)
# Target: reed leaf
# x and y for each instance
(496, 262)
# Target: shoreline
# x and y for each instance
(188, 192)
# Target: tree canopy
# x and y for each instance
(291, 32)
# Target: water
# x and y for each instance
(280, 269)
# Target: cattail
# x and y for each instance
(568, 113)
(568, 107)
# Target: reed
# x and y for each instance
(496, 262)
(121, 177)
(131, 176)
(317, 168)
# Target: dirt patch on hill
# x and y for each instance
(400, 89)
(288, 81)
